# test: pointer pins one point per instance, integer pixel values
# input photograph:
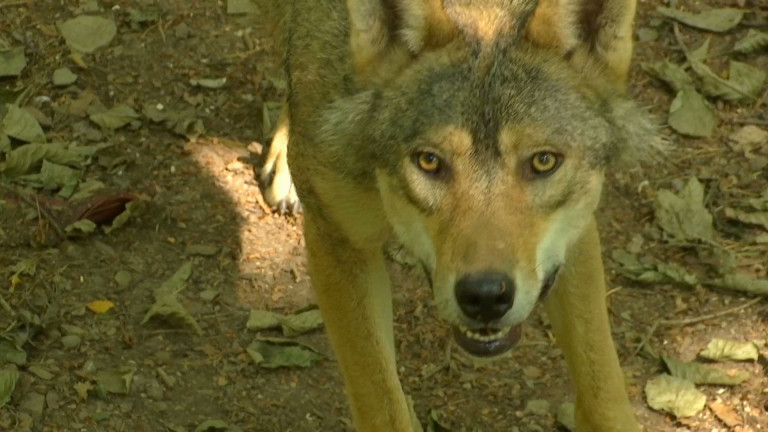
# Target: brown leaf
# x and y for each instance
(725, 413)
(103, 209)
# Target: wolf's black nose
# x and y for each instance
(485, 296)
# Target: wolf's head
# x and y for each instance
(490, 136)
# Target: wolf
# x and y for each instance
(478, 133)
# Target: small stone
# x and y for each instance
(123, 278)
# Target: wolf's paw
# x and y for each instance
(278, 189)
(275, 176)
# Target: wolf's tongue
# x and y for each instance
(488, 348)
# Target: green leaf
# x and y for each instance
(742, 283)
(28, 157)
(727, 350)
(715, 20)
(20, 124)
(698, 373)
(213, 425)
(10, 353)
(650, 271)
(672, 74)
(273, 353)
(683, 215)
(117, 381)
(700, 53)
(77, 228)
(63, 77)
(211, 83)
(9, 376)
(744, 81)
(691, 115)
(87, 33)
(241, 7)
(753, 41)
(751, 218)
(674, 395)
(116, 117)
(132, 209)
(566, 415)
(167, 305)
(262, 320)
(12, 62)
(294, 325)
(52, 176)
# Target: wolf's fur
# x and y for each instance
(484, 85)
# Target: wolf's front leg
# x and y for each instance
(579, 317)
(353, 292)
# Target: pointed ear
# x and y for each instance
(386, 34)
(587, 31)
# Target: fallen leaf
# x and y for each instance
(726, 414)
(63, 77)
(10, 353)
(296, 324)
(82, 389)
(748, 138)
(675, 76)
(262, 320)
(235, 7)
(742, 283)
(132, 209)
(566, 415)
(715, 20)
(116, 117)
(744, 81)
(104, 209)
(211, 83)
(698, 373)
(690, 114)
(273, 353)
(167, 305)
(20, 124)
(647, 270)
(751, 218)
(29, 157)
(9, 375)
(214, 425)
(683, 215)
(86, 33)
(727, 350)
(12, 62)
(433, 423)
(674, 395)
(100, 306)
(117, 381)
(753, 41)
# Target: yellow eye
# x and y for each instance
(544, 162)
(428, 162)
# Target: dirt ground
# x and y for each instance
(202, 205)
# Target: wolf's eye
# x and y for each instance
(545, 162)
(428, 162)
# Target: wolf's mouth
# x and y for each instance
(487, 341)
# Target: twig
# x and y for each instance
(689, 321)
(42, 211)
(14, 3)
(755, 122)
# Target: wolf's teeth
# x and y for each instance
(482, 337)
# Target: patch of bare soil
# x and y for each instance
(76, 354)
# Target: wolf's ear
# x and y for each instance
(587, 31)
(385, 34)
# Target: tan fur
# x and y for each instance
(485, 86)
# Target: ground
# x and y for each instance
(86, 371)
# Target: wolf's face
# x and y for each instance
(497, 168)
